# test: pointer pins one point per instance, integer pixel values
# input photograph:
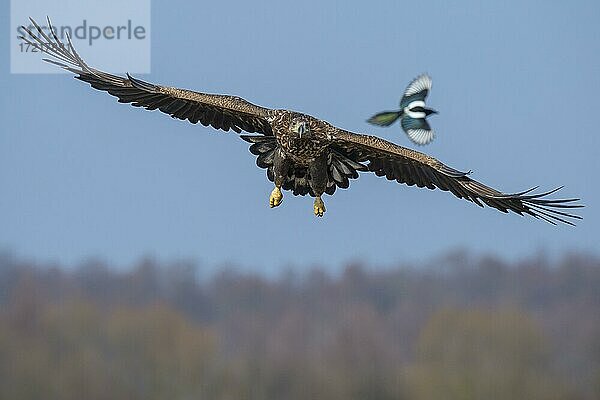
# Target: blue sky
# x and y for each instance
(516, 84)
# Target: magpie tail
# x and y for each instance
(385, 118)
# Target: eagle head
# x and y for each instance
(300, 127)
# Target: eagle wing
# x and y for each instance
(415, 168)
(219, 111)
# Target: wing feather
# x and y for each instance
(412, 167)
(219, 111)
(417, 89)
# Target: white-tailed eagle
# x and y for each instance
(302, 154)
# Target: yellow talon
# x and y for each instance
(319, 207)
(276, 197)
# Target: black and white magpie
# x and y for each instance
(413, 113)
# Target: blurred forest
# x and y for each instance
(459, 327)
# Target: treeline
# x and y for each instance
(460, 327)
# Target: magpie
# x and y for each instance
(413, 113)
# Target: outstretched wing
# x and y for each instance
(414, 168)
(418, 89)
(219, 111)
(418, 130)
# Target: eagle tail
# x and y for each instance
(385, 118)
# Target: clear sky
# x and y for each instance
(516, 84)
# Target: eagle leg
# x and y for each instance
(276, 197)
(281, 165)
(319, 207)
(318, 181)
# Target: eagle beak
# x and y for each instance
(301, 129)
